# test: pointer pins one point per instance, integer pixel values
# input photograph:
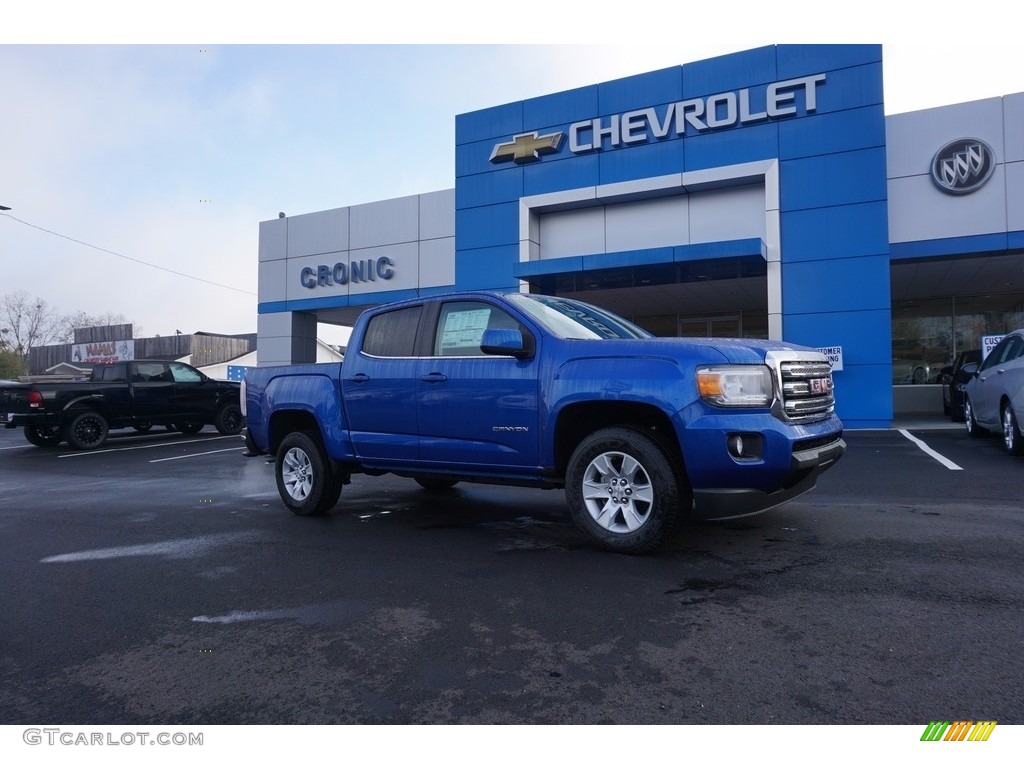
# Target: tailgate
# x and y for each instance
(13, 399)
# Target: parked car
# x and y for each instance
(995, 393)
(953, 379)
(135, 394)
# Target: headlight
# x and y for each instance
(747, 386)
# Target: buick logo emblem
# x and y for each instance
(963, 166)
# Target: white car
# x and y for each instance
(995, 393)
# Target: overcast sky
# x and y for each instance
(171, 150)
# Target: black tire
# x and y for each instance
(306, 481)
(86, 431)
(44, 437)
(972, 426)
(1013, 441)
(625, 491)
(229, 419)
(436, 483)
(142, 426)
(189, 427)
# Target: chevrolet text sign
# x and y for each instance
(722, 110)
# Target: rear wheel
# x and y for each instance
(1012, 439)
(87, 431)
(44, 437)
(306, 481)
(625, 491)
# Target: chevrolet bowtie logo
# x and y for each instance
(526, 147)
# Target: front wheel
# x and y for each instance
(44, 437)
(306, 481)
(971, 425)
(1012, 439)
(624, 491)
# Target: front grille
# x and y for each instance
(807, 393)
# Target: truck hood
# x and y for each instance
(707, 351)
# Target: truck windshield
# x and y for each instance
(570, 319)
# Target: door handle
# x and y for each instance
(434, 378)
(359, 378)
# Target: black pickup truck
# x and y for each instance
(136, 394)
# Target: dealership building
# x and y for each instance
(762, 194)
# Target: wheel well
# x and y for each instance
(284, 422)
(575, 422)
(82, 406)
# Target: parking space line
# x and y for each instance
(143, 447)
(927, 449)
(194, 455)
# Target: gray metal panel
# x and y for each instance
(912, 139)
(437, 215)
(437, 262)
(295, 288)
(405, 267)
(273, 239)
(572, 233)
(919, 211)
(272, 280)
(1013, 115)
(320, 232)
(1015, 196)
(384, 223)
(647, 223)
(727, 214)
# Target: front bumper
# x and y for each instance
(805, 467)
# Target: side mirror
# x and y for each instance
(503, 341)
(971, 369)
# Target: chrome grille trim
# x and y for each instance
(794, 372)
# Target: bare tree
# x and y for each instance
(26, 322)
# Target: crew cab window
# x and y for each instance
(112, 373)
(461, 327)
(392, 334)
(184, 375)
(151, 372)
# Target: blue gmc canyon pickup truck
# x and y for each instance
(548, 392)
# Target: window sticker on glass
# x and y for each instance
(464, 329)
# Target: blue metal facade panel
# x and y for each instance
(838, 232)
(486, 226)
(640, 91)
(564, 107)
(499, 187)
(641, 161)
(798, 60)
(726, 73)
(487, 268)
(832, 132)
(836, 285)
(711, 150)
(555, 176)
(953, 246)
(847, 177)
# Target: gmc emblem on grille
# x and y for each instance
(820, 386)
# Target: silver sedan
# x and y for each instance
(995, 393)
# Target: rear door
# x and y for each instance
(380, 383)
(195, 396)
(152, 390)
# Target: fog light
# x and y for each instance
(745, 446)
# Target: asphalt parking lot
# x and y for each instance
(160, 580)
